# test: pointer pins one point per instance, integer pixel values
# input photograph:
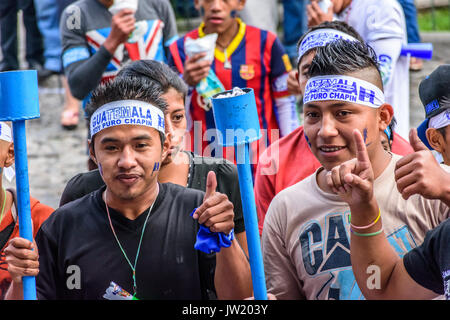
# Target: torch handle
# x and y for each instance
(23, 198)
(251, 221)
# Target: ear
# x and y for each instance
(10, 155)
(241, 5)
(92, 151)
(435, 139)
(197, 5)
(386, 113)
(166, 145)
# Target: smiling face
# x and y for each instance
(328, 127)
(218, 15)
(128, 157)
(175, 123)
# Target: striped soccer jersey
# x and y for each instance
(255, 59)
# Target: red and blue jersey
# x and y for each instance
(257, 60)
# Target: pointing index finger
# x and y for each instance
(361, 151)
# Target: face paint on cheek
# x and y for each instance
(365, 137)
(100, 169)
(233, 13)
(307, 140)
(202, 12)
(155, 167)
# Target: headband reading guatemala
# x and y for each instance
(127, 112)
(320, 38)
(343, 88)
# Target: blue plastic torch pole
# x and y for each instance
(251, 221)
(23, 199)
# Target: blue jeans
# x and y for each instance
(8, 34)
(412, 27)
(48, 23)
(294, 25)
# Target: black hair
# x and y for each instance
(337, 25)
(157, 72)
(443, 132)
(122, 88)
(392, 127)
(342, 57)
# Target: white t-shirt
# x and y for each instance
(381, 23)
(306, 236)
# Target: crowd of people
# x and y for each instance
(343, 185)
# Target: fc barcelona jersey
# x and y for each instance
(255, 59)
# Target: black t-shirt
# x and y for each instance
(429, 264)
(226, 175)
(79, 234)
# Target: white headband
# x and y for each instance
(6, 135)
(440, 120)
(343, 88)
(320, 38)
(127, 112)
(5, 132)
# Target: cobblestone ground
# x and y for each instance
(55, 155)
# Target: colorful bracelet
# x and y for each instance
(369, 225)
(366, 234)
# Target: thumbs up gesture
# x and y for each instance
(419, 172)
(216, 211)
(353, 179)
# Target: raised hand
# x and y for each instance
(196, 69)
(353, 179)
(122, 25)
(316, 16)
(216, 211)
(419, 172)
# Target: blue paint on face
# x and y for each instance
(365, 134)
(155, 167)
(202, 11)
(307, 140)
(233, 13)
(100, 169)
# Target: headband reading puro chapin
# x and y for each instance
(343, 88)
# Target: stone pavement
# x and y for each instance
(55, 155)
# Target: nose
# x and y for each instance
(127, 158)
(328, 127)
(216, 5)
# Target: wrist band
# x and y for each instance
(368, 226)
(366, 234)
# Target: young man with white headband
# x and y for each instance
(381, 23)
(179, 166)
(279, 165)
(422, 273)
(9, 223)
(136, 233)
(306, 242)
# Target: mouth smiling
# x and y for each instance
(330, 149)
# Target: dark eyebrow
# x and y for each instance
(334, 105)
(114, 140)
(305, 67)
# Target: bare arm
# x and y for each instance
(378, 270)
(23, 260)
(232, 278)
